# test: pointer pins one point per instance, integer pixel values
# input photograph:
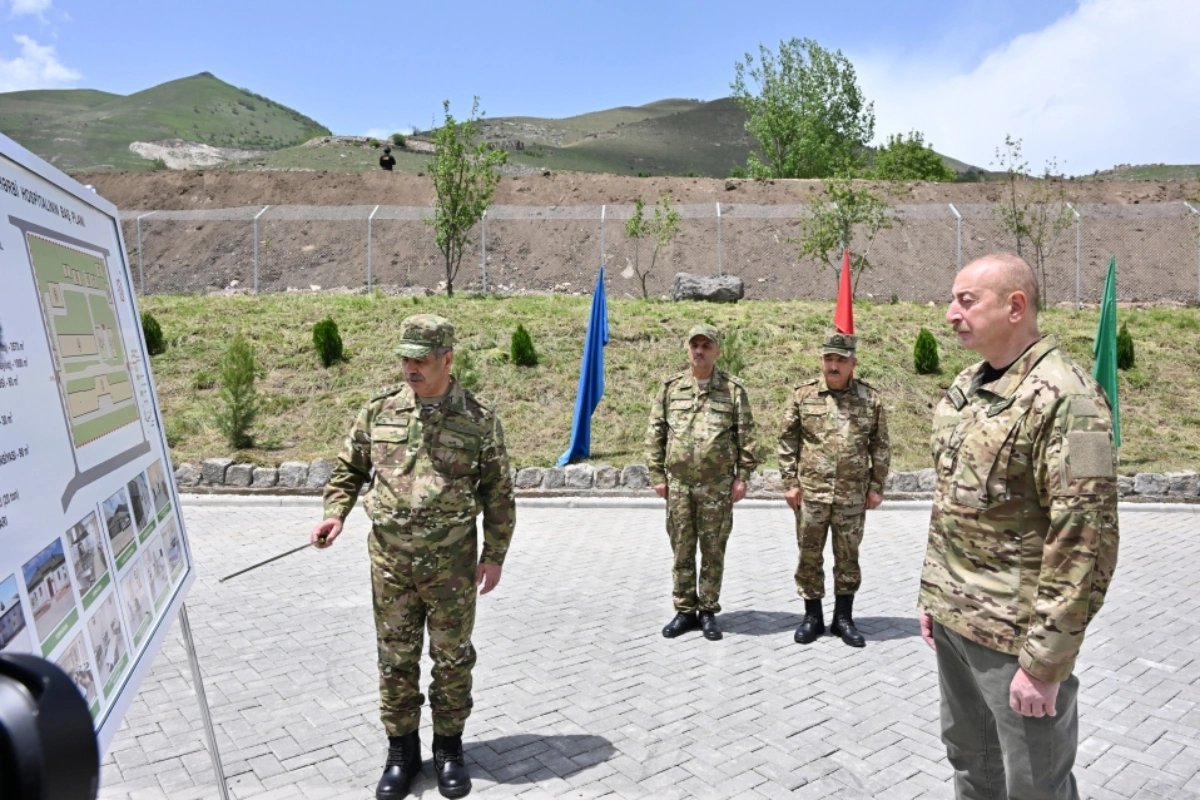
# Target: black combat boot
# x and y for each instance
(813, 624)
(708, 624)
(683, 622)
(403, 764)
(452, 777)
(843, 621)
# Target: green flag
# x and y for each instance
(1105, 348)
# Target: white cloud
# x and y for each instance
(1115, 81)
(37, 67)
(384, 133)
(20, 7)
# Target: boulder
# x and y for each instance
(904, 482)
(635, 476)
(187, 475)
(264, 477)
(319, 473)
(926, 479)
(293, 474)
(1150, 484)
(772, 480)
(1124, 485)
(723, 289)
(1183, 484)
(239, 475)
(579, 476)
(529, 478)
(607, 476)
(212, 471)
(554, 478)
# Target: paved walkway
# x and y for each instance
(578, 695)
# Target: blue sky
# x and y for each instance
(1062, 74)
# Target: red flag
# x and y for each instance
(843, 317)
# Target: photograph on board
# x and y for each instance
(75, 662)
(139, 608)
(156, 569)
(87, 557)
(108, 640)
(160, 491)
(140, 501)
(119, 522)
(14, 638)
(173, 546)
(49, 588)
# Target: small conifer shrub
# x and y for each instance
(328, 341)
(238, 402)
(465, 370)
(1125, 357)
(523, 354)
(925, 353)
(155, 343)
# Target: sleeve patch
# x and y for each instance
(1084, 407)
(1091, 454)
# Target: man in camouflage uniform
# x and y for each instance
(1022, 540)
(432, 458)
(833, 458)
(700, 450)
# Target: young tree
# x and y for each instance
(848, 216)
(805, 109)
(1034, 211)
(663, 227)
(465, 173)
(909, 158)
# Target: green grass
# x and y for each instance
(1148, 172)
(87, 130)
(334, 157)
(306, 408)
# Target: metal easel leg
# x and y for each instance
(209, 732)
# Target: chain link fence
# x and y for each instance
(519, 249)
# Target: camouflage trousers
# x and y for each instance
(698, 514)
(813, 522)
(415, 586)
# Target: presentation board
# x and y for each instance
(94, 558)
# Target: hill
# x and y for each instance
(1147, 172)
(83, 129)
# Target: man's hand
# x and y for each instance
(661, 490)
(737, 491)
(327, 529)
(874, 499)
(487, 577)
(793, 498)
(1031, 697)
(927, 630)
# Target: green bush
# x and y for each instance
(158, 163)
(372, 142)
(1125, 356)
(732, 361)
(523, 354)
(238, 402)
(398, 139)
(895, 301)
(464, 370)
(328, 341)
(155, 343)
(925, 353)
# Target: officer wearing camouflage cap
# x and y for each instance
(432, 458)
(700, 451)
(833, 458)
(1022, 540)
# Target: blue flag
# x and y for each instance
(591, 377)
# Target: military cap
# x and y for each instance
(421, 334)
(841, 343)
(705, 330)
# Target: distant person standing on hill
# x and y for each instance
(387, 160)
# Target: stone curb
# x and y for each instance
(224, 476)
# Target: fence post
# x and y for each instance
(483, 248)
(602, 210)
(369, 219)
(141, 265)
(1079, 256)
(720, 265)
(1197, 213)
(256, 216)
(958, 217)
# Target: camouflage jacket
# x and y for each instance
(700, 437)
(430, 470)
(1023, 536)
(834, 445)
